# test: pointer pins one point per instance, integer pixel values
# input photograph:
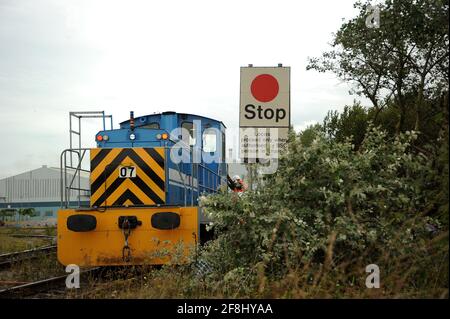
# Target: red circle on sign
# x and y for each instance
(264, 87)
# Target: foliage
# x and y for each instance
(7, 213)
(365, 204)
(27, 212)
(402, 68)
(351, 123)
(406, 57)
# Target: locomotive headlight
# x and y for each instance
(105, 137)
(132, 136)
(158, 136)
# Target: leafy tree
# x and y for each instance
(26, 212)
(402, 68)
(407, 54)
(5, 213)
(308, 135)
(351, 123)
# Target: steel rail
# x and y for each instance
(6, 260)
(41, 286)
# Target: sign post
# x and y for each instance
(264, 112)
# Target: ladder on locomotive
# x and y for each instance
(71, 161)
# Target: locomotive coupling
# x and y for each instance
(130, 222)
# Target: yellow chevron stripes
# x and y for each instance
(127, 185)
(151, 162)
(160, 151)
(146, 188)
(108, 159)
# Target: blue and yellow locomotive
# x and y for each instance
(145, 179)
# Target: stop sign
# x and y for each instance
(265, 97)
(264, 111)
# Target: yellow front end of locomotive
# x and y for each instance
(103, 242)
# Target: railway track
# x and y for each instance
(33, 236)
(7, 260)
(53, 285)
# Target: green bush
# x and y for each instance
(327, 205)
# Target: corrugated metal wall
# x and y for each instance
(38, 185)
(31, 189)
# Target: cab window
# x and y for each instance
(209, 140)
(188, 127)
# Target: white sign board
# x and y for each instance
(261, 142)
(264, 109)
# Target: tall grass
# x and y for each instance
(405, 276)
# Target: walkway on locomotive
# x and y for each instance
(198, 173)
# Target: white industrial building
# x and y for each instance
(40, 189)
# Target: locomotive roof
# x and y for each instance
(172, 112)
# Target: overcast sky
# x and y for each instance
(150, 56)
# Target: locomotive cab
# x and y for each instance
(145, 180)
